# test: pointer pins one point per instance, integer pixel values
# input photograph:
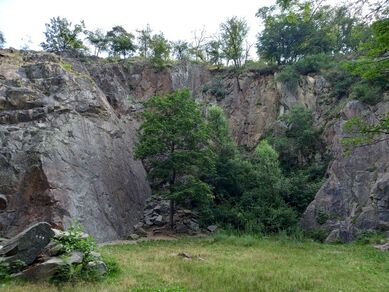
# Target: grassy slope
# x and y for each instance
(227, 263)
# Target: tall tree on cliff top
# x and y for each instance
(121, 42)
(62, 36)
(173, 147)
(233, 33)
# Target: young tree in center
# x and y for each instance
(173, 148)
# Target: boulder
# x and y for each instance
(99, 267)
(212, 228)
(46, 270)
(27, 245)
(133, 236)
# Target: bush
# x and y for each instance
(74, 239)
(319, 235)
(312, 64)
(289, 76)
(341, 81)
(216, 88)
(366, 93)
(371, 237)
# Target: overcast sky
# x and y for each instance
(24, 20)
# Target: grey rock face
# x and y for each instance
(66, 153)
(27, 245)
(355, 197)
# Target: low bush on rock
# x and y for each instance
(73, 241)
(40, 253)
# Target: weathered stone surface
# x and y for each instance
(66, 153)
(46, 270)
(27, 245)
(99, 267)
(355, 197)
(212, 228)
(3, 202)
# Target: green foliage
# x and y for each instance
(289, 76)
(233, 33)
(67, 67)
(366, 92)
(99, 40)
(160, 51)
(214, 52)
(319, 235)
(361, 133)
(172, 145)
(181, 50)
(6, 269)
(312, 64)
(302, 162)
(301, 28)
(74, 239)
(2, 40)
(216, 88)
(61, 36)
(144, 41)
(371, 237)
(373, 62)
(120, 42)
(341, 80)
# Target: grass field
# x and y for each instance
(229, 263)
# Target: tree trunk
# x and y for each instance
(171, 214)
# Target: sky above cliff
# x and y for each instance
(23, 21)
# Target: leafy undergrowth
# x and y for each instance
(230, 263)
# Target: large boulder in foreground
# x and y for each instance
(27, 245)
(355, 197)
(66, 154)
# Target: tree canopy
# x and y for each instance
(172, 145)
(62, 36)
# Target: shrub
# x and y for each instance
(319, 235)
(216, 88)
(289, 76)
(371, 237)
(341, 81)
(366, 92)
(312, 64)
(74, 239)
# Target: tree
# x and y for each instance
(2, 40)
(99, 40)
(121, 41)
(233, 33)
(160, 51)
(361, 133)
(198, 44)
(295, 29)
(62, 36)
(173, 147)
(181, 50)
(373, 62)
(144, 41)
(214, 52)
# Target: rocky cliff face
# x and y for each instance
(65, 153)
(67, 129)
(355, 197)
